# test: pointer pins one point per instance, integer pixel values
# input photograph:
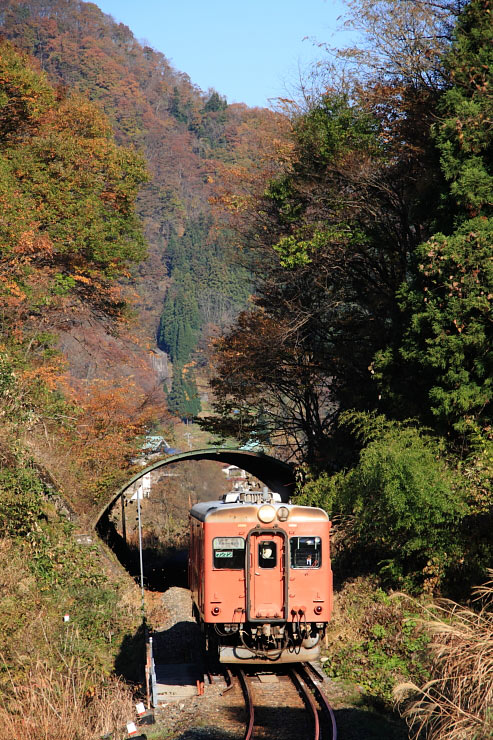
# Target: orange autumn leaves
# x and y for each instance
(67, 195)
(68, 230)
(109, 420)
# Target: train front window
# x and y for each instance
(267, 554)
(229, 553)
(306, 552)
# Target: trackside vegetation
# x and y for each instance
(68, 229)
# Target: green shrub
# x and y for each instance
(375, 640)
(46, 574)
(404, 502)
(21, 502)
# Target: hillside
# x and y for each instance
(97, 134)
(186, 137)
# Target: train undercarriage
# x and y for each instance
(287, 642)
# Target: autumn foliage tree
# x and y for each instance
(109, 422)
(68, 231)
(273, 388)
(68, 195)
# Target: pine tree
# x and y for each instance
(176, 396)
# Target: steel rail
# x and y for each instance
(228, 677)
(327, 710)
(299, 680)
(248, 703)
(307, 687)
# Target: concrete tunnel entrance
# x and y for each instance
(165, 550)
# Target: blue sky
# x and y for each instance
(248, 51)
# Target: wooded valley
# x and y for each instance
(324, 271)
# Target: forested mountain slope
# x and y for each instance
(72, 251)
(185, 136)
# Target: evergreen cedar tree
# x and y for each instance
(446, 343)
(204, 295)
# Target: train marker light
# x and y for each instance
(216, 611)
(266, 513)
(282, 513)
(318, 609)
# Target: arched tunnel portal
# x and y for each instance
(278, 476)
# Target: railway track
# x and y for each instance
(326, 721)
(264, 721)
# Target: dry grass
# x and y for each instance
(457, 703)
(45, 692)
(71, 705)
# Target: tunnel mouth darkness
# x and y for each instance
(163, 566)
(178, 482)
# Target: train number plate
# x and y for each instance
(231, 543)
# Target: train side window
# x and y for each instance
(267, 554)
(306, 552)
(229, 553)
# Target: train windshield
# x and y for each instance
(229, 552)
(306, 552)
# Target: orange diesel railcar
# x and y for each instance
(260, 577)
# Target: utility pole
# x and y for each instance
(139, 519)
(188, 435)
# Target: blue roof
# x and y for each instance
(153, 442)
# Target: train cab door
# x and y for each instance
(266, 592)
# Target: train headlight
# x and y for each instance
(282, 513)
(266, 513)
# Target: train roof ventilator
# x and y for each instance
(249, 496)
